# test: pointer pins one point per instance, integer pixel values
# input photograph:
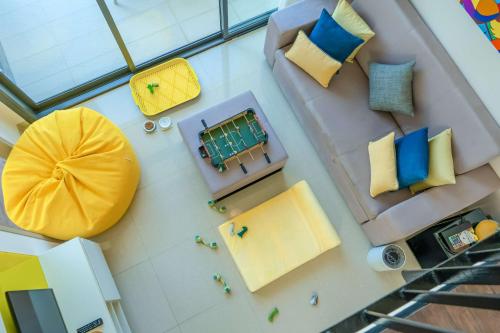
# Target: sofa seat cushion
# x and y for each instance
(421, 211)
(303, 86)
(336, 111)
(441, 95)
(357, 166)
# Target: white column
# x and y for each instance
(8, 121)
(15, 243)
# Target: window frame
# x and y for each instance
(30, 110)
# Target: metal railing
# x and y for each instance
(477, 266)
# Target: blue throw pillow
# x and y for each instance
(412, 158)
(334, 40)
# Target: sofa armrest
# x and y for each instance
(424, 209)
(284, 24)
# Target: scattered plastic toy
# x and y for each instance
(272, 315)
(213, 204)
(199, 240)
(243, 230)
(231, 229)
(151, 87)
(314, 298)
(217, 277)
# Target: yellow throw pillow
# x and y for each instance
(348, 19)
(441, 170)
(383, 165)
(312, 59)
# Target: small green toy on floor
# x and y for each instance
(217, 277)
(199, 240)
(272, 315)
(213, 204)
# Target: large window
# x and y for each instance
(51, 46)
(243, 10)
(52, 50)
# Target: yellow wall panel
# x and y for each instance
(18, 272)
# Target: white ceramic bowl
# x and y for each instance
(165, 123)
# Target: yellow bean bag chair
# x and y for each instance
(72, 173)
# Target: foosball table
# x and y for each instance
(228, 140)
(233, 144)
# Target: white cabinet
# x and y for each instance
(83, 286)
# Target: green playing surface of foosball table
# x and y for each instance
(229, 139)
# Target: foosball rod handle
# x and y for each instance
(204, 123)
(243, 168)
(267, 158)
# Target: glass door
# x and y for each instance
(55, 50)
(50, 46)
(151, 28)
(240, 11)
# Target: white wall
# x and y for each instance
(8, 121)
(478, 60)
(10, 242)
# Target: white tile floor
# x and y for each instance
(165, 278)
(54, 45)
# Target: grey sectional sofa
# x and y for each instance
(339, 122)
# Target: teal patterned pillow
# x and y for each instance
(391, 87)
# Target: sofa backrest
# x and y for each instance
(284, 25)
(442, 96)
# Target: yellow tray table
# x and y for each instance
(177, 83)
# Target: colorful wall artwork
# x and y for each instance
(486, 14)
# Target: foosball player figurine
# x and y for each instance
(217, 277)
(199, 240)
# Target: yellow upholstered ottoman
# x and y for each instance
(72, 173)
(283, 233)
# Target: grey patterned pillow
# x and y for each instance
(391, 87)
